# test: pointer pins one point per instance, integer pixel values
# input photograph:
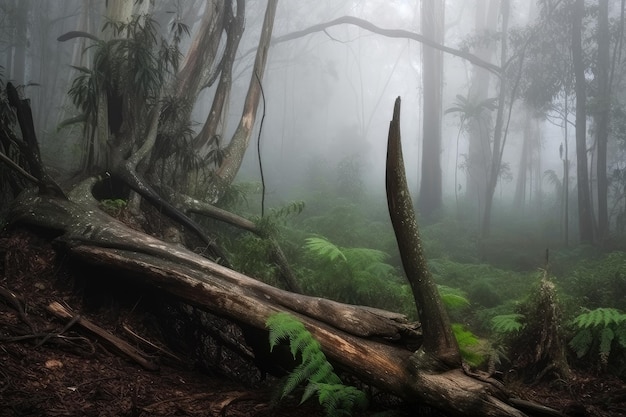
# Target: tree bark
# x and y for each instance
(235, 150)
(479, 128)
(602, 115)
(498, 130)
(430, 200)
(439, 345)
(585, 222)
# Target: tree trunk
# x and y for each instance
(585, 221)
(479, 129)
(498, 130)
(236, 149)
(602, 116)
(430, 200)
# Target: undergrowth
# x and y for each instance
(601, 335)
(336, 398)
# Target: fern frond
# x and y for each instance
(467, 341)
(604, 316)
(283, 326)
(454, 301)
(305, 343)
(581, 342)
(507, 323)
(340, 400)
(324, 248)
(295, 207)
(606, 340)
(362, 258)
(452, 298)
(295, 378)
(336, 398)
(620, 336)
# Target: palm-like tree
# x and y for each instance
(468, 110)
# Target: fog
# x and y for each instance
(328, 94)
(254, 135)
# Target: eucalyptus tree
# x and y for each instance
(480, 131)
(430, 199)
(602, 113)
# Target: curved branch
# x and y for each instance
(77, 34)
(390, 33)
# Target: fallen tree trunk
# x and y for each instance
(370, 343)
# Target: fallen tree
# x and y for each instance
(369, 343)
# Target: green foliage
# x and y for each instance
(114, 206)
(600, 317)
(468, 345)
(269, 223)
(600, 332)
(486, 284)
(251, 253)
(599, 281)
(324, 249)
(507, 323)
(134, 64)
(453, 298)
(336, 399)
(355, 275)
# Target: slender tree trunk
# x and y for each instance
(479, 129)
(430, 198)
(585, 221)
(236, 149)
(498, 131)
(234, 30)
(602, 116)
(519, 199)
(195, 71)
(19, 70)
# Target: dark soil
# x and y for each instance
(48, 368)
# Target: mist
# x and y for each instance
(226, 162)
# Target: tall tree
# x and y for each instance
(585, 221)
(430, 197)
(499, 134)
(479, 129)
(601, 115)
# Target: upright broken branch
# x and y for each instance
(439, 343)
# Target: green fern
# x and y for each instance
(453, 298)
(601, 330)
(336, 399)
(468, 345)
(600, 316)
(507, 323)
(269, 224)
(324, 248)
(581, 342)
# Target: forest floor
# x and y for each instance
(48, 368)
